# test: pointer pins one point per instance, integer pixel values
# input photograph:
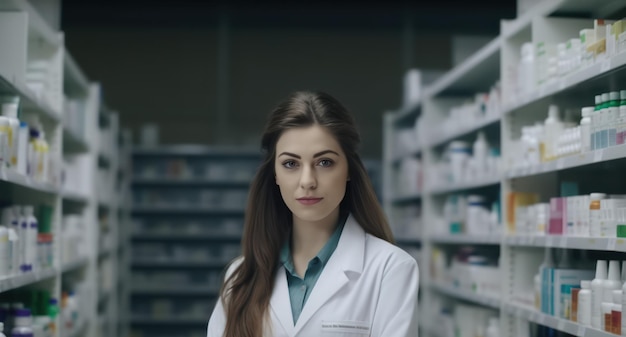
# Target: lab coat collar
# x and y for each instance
(348, 257)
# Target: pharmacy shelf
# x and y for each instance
(174, 264)
(443, 138)
(587, 158)
(177, 291)
(14, 282)
(411, 154)
(185, 210)
(37, 25)
(192, 182)
(104, 295)
(584, 8)
(428, 330)
(28, 99)
(407, 112)
(74, 197)
(104, 203)
(577, 79)
(196, 150)
(106, 249)
(466, 295)
(75, 80)
(79, 330)
(407, 199)
(168, 320)
(478, 72)
(11, 176)
(478, 183)
(104, 160)
(219, 237)
(564, 325)
(73, 265)
(73, 143)
(406, 241)
(569, 242)
(462, 239)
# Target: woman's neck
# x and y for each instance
(308, 238)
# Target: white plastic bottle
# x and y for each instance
(613, 282)
(5, 257)
(31, 237)
(480, 149)
(22, 148)
(14, 237)
(552, 130)
(602, 131)
(621, 119)
(597, 287)
(2, 330)
(617, 309)
(612, 117)
(594, 213)
(23, 324)
(44, 155)
(13, 249)
(584, 303)
(5, 135)
(585, 128)
(493, 329)
(9, 110)
(609, 285)
(23, 234)
(623, 304)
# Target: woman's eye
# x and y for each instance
(326, 163)
(289, 164)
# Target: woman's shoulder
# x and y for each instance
(232, 265)
(385, 251)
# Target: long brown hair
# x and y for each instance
(246, 294)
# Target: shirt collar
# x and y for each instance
(324, 254)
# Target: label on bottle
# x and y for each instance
(574, 312)
(616, 323)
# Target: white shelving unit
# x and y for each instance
(188, 212)
(108, 198)
(124, 232)
(476, 74)
(466, 296)
(67, 105)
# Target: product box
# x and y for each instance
(515, 200)
(557, 289)
(558, 221)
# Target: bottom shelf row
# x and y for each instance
(474, 323)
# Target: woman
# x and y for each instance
(318, 257)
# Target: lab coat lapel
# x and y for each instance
(348, 256)
(280, 303)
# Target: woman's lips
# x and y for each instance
(309, 201)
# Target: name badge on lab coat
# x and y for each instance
(346, 327)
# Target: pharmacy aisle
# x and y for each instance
(509, 170)
(188, 210)
(49, 146)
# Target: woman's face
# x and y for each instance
(311, 171)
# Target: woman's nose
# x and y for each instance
(307, 179)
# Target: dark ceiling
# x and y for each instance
(436, 16)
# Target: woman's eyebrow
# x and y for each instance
(325, 152)
(321, 153)
(289, 154)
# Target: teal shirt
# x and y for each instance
(300, 288)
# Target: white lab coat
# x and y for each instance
(367, 288)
